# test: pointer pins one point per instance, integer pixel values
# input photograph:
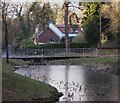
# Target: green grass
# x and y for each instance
(20, 88)
(108, 52)
(18, 62)
(88, 61)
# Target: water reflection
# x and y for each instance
(76, 82)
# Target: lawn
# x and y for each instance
(19, 88)
(109, 64)
(83, 60)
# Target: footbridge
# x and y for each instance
(50, 54)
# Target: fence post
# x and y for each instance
(116, 52)
(42, 52)
(83, 51)
(55, 51)
(96, 52)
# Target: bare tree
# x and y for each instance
(7, 16)
(5, 27)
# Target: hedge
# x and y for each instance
(61, 45)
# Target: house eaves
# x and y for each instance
(38, 34)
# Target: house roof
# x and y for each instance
(54, 28)
(59, 30)
(71, 30)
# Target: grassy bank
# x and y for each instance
(87, 61)
(20, 88)
(109, 64)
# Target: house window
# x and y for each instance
(52, 40)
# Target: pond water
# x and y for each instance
(78, 83)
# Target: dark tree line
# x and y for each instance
(101, 20)
(19, 21)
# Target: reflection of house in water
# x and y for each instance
(54, 33)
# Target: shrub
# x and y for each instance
(52, 46)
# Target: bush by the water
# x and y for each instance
(61, 45)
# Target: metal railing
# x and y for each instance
(71, 52)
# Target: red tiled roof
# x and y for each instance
(61, 27)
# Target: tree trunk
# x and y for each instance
(66, 27)
(100, 32)
(6, 44)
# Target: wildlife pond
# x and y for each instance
(77, 83)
